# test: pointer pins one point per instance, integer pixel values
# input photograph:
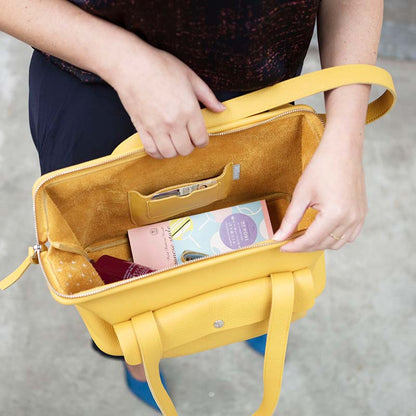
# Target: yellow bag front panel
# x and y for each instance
(187, 304)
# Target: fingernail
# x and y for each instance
(278, 236)
(222, 106)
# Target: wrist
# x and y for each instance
(342, 139)
(346, 107)
(121, 49)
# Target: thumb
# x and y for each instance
(205, 95)
(293, 215)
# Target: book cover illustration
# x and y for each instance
(179, 240)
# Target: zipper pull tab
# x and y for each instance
(32, 258)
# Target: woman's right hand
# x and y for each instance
(161, 94)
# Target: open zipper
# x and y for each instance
(106, 287)
(38, 247)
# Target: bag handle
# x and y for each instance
(292, 90)
(140, 342)
(305, 85)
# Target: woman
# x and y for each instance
(109, 68)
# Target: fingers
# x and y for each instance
(205, 95)
(317, 237)
(165, 109)
(312, 239)
(326, 232)
(149, 144)
(198, 131)
(178, 134)
(168, 146)
(294, 214)
(356, 232)
(180, 141)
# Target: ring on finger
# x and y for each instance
(336, 237)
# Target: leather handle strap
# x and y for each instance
(283, 292)
(147, 334)
(140, 342)
(305, 85)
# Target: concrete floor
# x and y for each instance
(354, 354)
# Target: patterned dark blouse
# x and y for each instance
(234, 45)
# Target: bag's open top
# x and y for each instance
(85, 211)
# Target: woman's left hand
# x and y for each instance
(332, 183)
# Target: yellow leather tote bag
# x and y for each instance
(258, 149)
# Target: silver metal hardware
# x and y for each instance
(219, 323)
(37, 247)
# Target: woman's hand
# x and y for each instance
(161, 93)
(332, 183)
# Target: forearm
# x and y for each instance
(62, 29)
(349, 33)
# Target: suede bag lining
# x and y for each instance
(88, 215)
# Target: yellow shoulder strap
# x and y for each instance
(305, 85)
(283, 298)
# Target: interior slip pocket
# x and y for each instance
(180, 198)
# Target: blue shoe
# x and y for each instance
(258, 344)
(141, 389)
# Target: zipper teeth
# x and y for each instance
(92, 165)
(105, 246)
(260, 123)
(134, 279)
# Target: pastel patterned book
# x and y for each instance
(179, 240)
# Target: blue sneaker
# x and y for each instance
(141, 389)
(258, 344)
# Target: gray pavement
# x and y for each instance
(353, 355)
